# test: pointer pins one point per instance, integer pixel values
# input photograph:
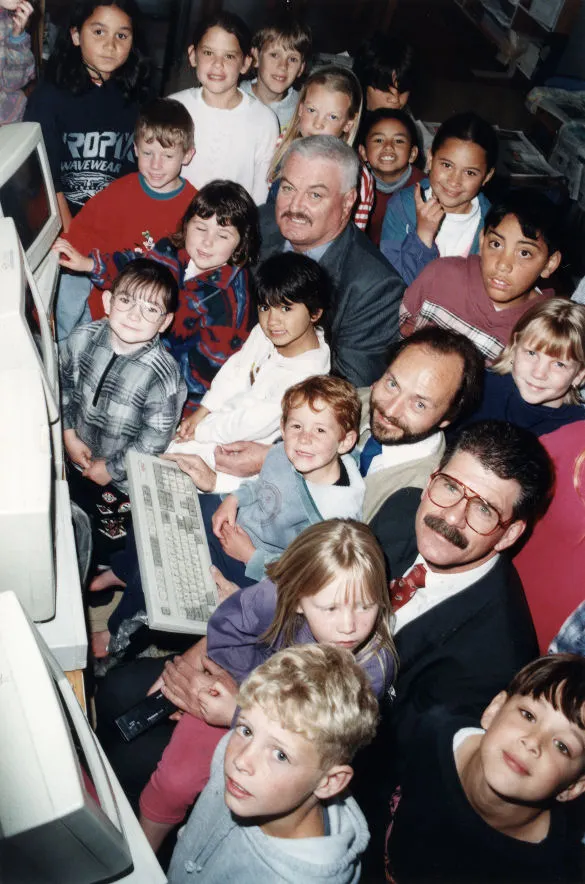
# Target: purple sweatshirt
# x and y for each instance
(233, 630)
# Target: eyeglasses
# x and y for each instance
(480, 515)
(150, 311)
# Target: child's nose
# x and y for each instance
(347, 621)
(244, 760)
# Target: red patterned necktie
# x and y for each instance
(402, 589)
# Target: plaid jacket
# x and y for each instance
(115, 402)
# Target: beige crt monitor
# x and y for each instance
(63, 816)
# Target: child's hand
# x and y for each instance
(429, 215)
(236, 543)
(225, 587)
(70, 257)
(20, 17)
(77, 450)
(218, 705)
(187, 426)
(97, 472)
(198, 471)
(226, 512)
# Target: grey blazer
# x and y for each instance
(367, 292)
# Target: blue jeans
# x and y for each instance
(71, 308)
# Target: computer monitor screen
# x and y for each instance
(63, 818)
(26, 189)
(24, 198)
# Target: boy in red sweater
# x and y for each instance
(137, 210)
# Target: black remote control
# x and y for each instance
(144, 715)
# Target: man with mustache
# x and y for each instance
(312, 215)
(433, 378)
(464, 632)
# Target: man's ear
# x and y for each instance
(573, 791)
(74, 34)
(191, 55)
(334, 782)
(107, 301)
(349, 199)
(551, 265)
(362, 153)
(347, 442)
(254, 57)
(510, 535)
(493, 709)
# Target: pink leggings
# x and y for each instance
(182, 771)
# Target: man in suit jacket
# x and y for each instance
(433, 378)
(463, 635)
(312, 214)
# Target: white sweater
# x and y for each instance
(246, 410)
(236, 144)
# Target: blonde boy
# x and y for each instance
(491, 803)
(279, 52)
(134, 211)
(275, 808)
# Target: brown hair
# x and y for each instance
(559, 679)
(167, 121)
(335, 78)
(557, 328)
(293, 34)
(316, 558)
(339, 395)
(233, 206)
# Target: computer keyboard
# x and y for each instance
(172, 547)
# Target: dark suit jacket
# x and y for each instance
(465, 649)
(367, 292)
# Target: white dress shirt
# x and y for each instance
(438, 587)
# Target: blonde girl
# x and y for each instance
(330, 103)
(535, 382)
(329, 586)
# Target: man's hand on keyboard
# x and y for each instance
(195, 467)
(236, 543)
(225, 514)
(241, 459)
(218, 704)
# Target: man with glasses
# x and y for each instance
(462, 624)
